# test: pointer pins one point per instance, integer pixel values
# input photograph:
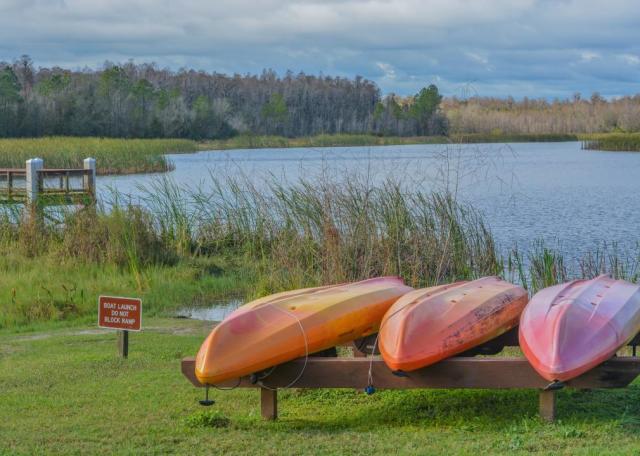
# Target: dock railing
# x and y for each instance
(37, 186)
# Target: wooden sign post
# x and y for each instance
(123, 314)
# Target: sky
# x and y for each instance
(534, 48)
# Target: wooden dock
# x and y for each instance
(37, 186)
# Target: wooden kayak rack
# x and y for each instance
(464, 371)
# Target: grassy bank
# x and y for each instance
(242, 233)
(66, 392)
(253, 236)
(601, 141)
(114, 156)
(342, 140)
(612, 142)
(50, 288)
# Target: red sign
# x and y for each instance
(119, 313)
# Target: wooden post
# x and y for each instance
(89, 180)
(548, 405)
(123, 343)
(33, 187)
(268, 404)
(10, 186)
(31, 212)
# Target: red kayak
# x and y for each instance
(570, 328)
(431, 324)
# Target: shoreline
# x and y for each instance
(118, 156)
(343, 140)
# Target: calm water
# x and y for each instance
(573, 199)
(216, 311)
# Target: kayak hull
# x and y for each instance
(428, 325)
(571, 328)
(289, 325)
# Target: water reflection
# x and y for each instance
(217, 311)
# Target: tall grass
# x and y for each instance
(276, 236)
(612, 142)
(326, 231)
(341, 140)
(268, 236)
(542, 266)
(113, 156)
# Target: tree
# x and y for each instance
(202, 118)
(10, 100)
(424, 107)
(114, 88)
(275, 113)
(143, 93)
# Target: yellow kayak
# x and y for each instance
(285, 326)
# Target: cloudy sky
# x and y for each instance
(521, 48)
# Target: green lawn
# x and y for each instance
(64, 391)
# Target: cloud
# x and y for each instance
(502, 47)
(477, 58)
(589, 56)
(631, 59)
(387, 70)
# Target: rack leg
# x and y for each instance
(268, 404)
(548, 405)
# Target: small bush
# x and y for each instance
(208, 418)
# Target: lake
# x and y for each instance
(573, 199)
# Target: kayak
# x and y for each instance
(570, 328)
(428, 325)
(285, 326)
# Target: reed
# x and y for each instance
(261, 235)
(326, 231)
(612, 141)
(538, 268)
(541, 266)
(352, 140)
(114, 156)
(276, 236)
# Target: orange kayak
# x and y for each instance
(570, 328)
(428, 325)
(289, 325)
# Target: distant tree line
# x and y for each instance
(538, 116)
(142, 100)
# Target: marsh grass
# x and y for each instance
(318, 231)
(259, 235)
(347, 140)
(542, 266)
(113, 156)
(275, 236)
(612, 142)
